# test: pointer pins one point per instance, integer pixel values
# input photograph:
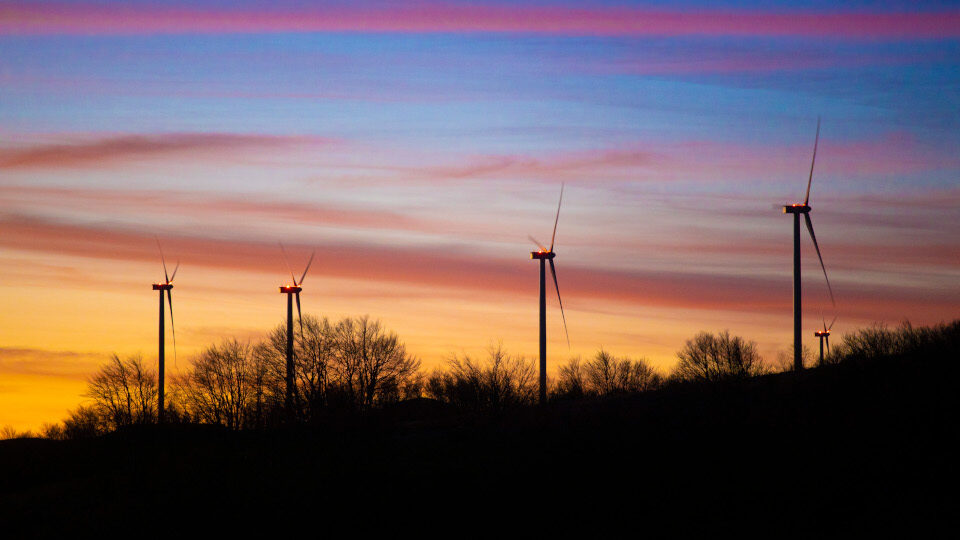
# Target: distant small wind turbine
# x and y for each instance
(292, 291)
(165, 286)
(796, 210)
(544, 254)
(824, 335)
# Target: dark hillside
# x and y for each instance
(850, 445)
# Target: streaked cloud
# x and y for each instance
(215, 205)
(87, 151)
(704, 160)
(69, 364)
(433, 17)
(459, 269)
(713, 161)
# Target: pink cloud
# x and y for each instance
(423, 17)
(710, 62)
(886, 155)
(223, 208)
(86, 152)
(701, 161)
(839, 253)
(29, 198)
(706, 161)
(486, 276)
(568, 164)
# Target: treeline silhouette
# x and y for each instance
(715, 445)
(351, 365)
(355, 365)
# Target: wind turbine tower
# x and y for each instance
(545, 255)
(797, 210)
(167, 285)
(292, 292)
(824, 335)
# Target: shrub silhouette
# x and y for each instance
(605, 374)
(314, 354)
(9, 432)
(354, 364)
(53, 431)
(708, 357)
(499, 383)
(84, 422)
(124, 392)
(785, 358)
(220, 386)
(371, 366)
(878, 342)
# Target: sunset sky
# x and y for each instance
(415, 145)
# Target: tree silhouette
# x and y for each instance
(879, 342)
(372, 365)
(608, 375)
(785, 358)
(84, 422)
(124, 392)
(573, 381)
(53, 431)
(354, 364)
(499, 383)
(314, 354)
(709, 357)
(605, 374)
(9, 432)
(220, 386)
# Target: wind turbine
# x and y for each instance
(165, 286)
(292, 291)
(797, 210)
(824, 335)
(543, 255)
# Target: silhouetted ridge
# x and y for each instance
(855, 444)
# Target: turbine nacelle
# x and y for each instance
(796, 209)
(290, 289)
(542, 255)
(162, 286)
(826, 329)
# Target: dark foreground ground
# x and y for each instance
(843, 449)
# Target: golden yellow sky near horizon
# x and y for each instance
(60, 332)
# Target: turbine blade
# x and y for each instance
(173, 330)
(831, 322)
(813, 237)
(174, 274)
(539, 245)
(164, 261)
(553, 270)
(299, 317)
(814, 160)
(287, 262)
(307, 268)
(554, 235)
(824, 322)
